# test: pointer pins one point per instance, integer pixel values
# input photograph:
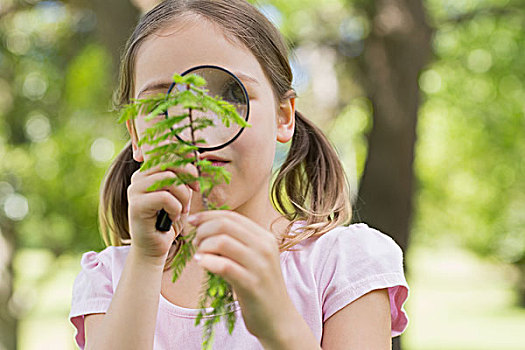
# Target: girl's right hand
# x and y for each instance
(143, 207)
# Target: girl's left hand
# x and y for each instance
(246, 256)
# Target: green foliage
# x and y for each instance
(184, 254)
(222, 302)
(472, 130)
(55, 88)
(175, 154)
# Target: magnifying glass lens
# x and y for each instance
(210, 130)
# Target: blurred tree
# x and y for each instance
(469, 161)
(396, 50)
(470, 157)
(115, 21)
(57, 61)
(469, 165)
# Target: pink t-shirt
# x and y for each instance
(324, 275)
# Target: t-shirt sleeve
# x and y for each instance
(359, 260)
(92, 291)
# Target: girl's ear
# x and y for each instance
(286, 120)
(137, 152)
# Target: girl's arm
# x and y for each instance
(363, 324)
(130, 320)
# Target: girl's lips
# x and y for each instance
(218, 163)
(213, 158)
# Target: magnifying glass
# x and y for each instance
(224, 84)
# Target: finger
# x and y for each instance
(151, 203)
(143, 184)
(223, 226)
(212, 222)
(182, 192)
(228, 247)
(188, 169)
(233, 273)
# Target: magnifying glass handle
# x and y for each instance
(163, 221)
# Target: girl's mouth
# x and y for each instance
(218, 163)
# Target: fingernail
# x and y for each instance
(197, 256)
(192, 219)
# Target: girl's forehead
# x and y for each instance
(181, 46)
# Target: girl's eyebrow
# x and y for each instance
(156, 85)
(246, 78)
(165, 85)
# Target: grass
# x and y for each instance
(458, 302)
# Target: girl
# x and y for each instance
(340, 287)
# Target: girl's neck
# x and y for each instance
(259, 209)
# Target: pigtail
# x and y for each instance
(311, 184)
(113, 205)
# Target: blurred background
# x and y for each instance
(424, 101)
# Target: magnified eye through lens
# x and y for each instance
(233, 94)
(210, 130)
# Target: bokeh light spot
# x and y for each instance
(35, 86)
(17, 43)
(430, 81)
(37, 127)
(16, 206)
(102, 149)
(479, 61)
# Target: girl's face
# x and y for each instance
(196, 41)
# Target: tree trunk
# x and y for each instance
(396, 50)
(8, 320)
(115, 22)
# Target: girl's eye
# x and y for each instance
(233, 93)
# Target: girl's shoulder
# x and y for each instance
(357, 240)
(110, 257)
(347, 262)
(355, 251)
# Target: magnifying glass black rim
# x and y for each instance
(208, 149)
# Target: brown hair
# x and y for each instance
(311, 184)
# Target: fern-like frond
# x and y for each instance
(184, 254)
(220, 293)
(190, 94)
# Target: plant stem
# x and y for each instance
(204, 196)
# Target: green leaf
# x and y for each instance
(192, 79)
(198, 318)
(153, 138)
(128, 112)
(184, 254)
(164, 183)
(222, 306)
(175, 148)
(231, 319)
